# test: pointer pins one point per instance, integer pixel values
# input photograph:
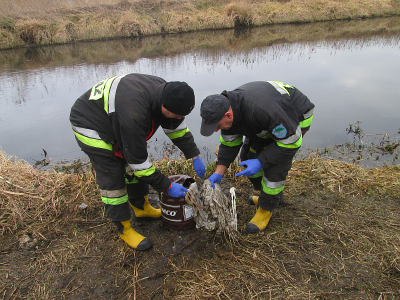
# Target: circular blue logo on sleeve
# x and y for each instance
(279, 131)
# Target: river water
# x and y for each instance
(348, 69)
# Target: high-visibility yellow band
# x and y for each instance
(115, 201)
(271, 191)
(134, 180)
(93, 142)
(146, 172)
(306, 122)
(178, 134)
(234, 143)
(292, 146)
(259, 174)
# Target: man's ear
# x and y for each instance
(228, 114)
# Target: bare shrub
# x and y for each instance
(32, 31)
(241, 13)
(129, 24)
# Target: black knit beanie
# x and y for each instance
(178, 98)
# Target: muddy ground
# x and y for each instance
(86, 259)
(308, 251)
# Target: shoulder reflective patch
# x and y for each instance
(281, 87)
(97, 91)
(279, 131)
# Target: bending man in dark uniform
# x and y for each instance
(112, 123)
(273, 117)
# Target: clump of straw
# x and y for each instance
(29, 197)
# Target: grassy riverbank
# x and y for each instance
(337, 237)
(33, 22)
(204, 43)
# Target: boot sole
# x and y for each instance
(143, 245)
(252, 229)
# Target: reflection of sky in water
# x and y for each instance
(348, 82)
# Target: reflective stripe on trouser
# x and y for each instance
(114, 184)
(272, 184)
(269, 187)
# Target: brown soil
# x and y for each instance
(312, 249)
(85, 259)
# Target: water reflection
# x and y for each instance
(345, 68)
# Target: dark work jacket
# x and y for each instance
(265, 114)
(134, 119)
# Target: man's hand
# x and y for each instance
(198, 166)
(215, 178)
(176, 190)
(253, 166)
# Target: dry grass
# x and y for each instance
(320, 252)
(343, 178)
(36, 22)
(32, 199)
(337, 238)
(28, 6)
(31, 196)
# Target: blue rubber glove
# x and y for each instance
(176, 190)
(253, 166)
(215, 178)
(199, 167)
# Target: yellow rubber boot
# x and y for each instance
(131, 237)
(252, 200)
(148, 211)
(259, 221)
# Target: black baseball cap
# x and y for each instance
(213, 109)
(178, 98)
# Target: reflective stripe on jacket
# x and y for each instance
(126, 109)
(270, 113)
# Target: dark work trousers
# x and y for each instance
(112, 175)
(275, 173)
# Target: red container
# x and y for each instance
(176, 214)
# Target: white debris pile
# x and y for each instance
(212, 209)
